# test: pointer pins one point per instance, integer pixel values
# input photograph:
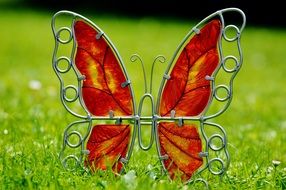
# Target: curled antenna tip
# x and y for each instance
(160, 58)
(135, 57)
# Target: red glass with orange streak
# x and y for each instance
(102, 90)
(182, 145)
(187, 91)
(107, 144)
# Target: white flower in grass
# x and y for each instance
(5, 132)
(35, 85)
(130, 179)
(149, 167)
(276, 163)
(152, 174)
(129, 176)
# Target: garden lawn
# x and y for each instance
(32, 118)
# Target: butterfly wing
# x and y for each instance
(186, 94)
(103, 89)
(107, 144)
(105, 92)
(187, 91)
(182, 146)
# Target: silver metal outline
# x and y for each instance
(153, 120)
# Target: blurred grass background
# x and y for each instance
(32, 118)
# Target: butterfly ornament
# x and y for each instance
(95, 88)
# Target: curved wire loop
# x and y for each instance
(140, 123)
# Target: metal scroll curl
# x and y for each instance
(73, 149)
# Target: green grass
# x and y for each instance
(32, 121)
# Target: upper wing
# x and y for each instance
(105, 88)
(187, 93)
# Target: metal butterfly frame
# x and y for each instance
(213, 154)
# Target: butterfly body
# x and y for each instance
(187, 90)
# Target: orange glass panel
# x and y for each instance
(187, 91)
(182, 145)
(102, 88)
(107, 144)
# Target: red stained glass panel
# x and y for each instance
(187, 91)
(182, 145)
(107, 144)
(102, 88)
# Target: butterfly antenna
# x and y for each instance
(161, 59)
(134, 58)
